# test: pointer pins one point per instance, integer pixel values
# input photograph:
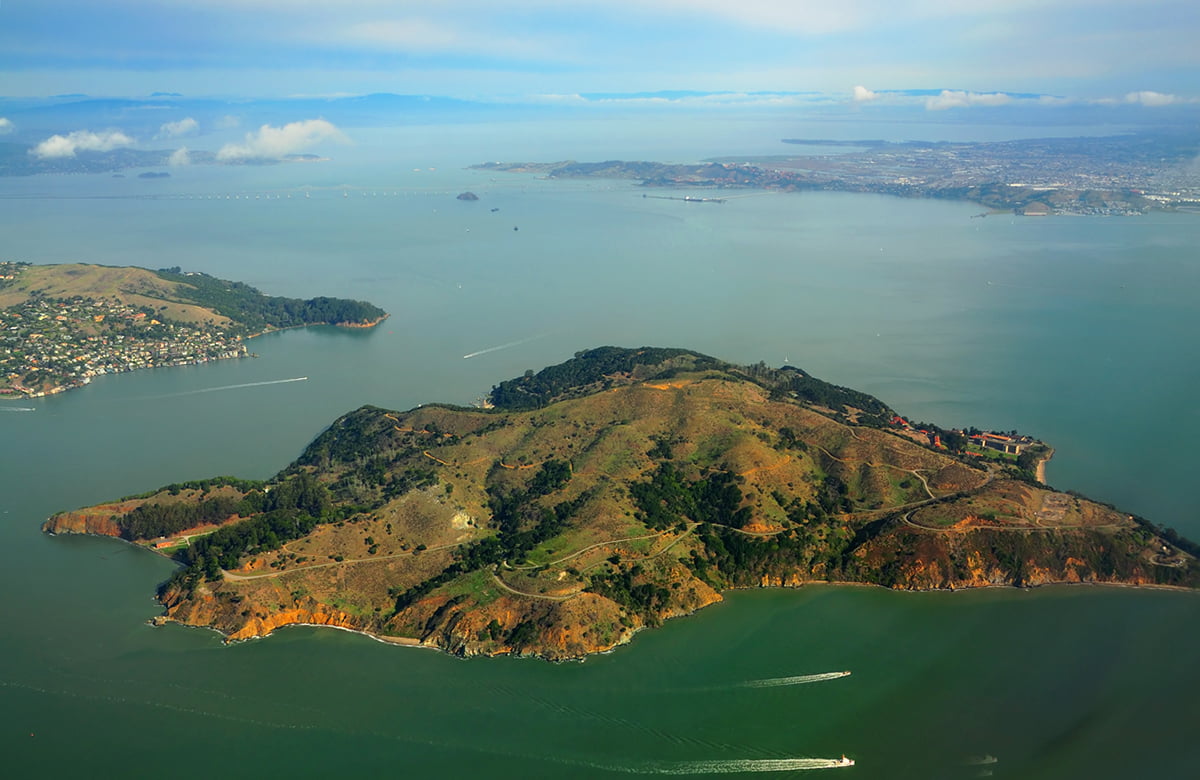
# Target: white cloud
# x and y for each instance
(81, 140)
(177, 129)
(180, 157)
(6, 125)
(864, 95)
(1152, 99)
(275, 142)
(956, 99)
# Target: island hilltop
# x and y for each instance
(609, 493)
(62, 325)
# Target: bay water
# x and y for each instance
(1082, 331)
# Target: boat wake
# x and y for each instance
(235, 387)
(727, 767)
(502, 346)
(803, 679)
(18, 409)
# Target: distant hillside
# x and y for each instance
(606, 494)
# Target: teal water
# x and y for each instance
(1082, 331)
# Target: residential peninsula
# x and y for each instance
(609, 493)
(63, 325)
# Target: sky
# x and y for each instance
(1142, 52)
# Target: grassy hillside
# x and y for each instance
(137, 287)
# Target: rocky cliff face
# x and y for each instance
(242, 619)
(100, 520)
(921, 560)
(573, 627)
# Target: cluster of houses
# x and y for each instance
(47, 345)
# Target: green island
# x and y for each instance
(609, 493)
(63, 325)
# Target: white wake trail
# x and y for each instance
(803, 679)
(747, 765)
(18, 409)
(503, 346)
(237, 387)
(727, 767)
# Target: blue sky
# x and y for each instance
(1076, 49)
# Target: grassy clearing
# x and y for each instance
(991, 454)
(478, 585)
(350, 608)
(935, 517)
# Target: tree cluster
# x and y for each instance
(287, 510)
(248, 306)
(647, 599)
(670, 498)
(587, 369)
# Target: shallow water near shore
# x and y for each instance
(1079, 331)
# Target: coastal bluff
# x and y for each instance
(613, 491)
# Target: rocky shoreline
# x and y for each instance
(262, 629)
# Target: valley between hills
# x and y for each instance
(609, 493)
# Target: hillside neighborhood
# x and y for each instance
(48, 345)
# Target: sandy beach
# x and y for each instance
(1041, 467)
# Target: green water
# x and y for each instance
(1082, 331)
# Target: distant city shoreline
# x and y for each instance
(1112, 176)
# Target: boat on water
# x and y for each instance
(843, 761)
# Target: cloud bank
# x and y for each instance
(179, 157)
(955, 99)
(942, 100)
(272, 143)
(1150, 98)
(176, 129)
(59, 146)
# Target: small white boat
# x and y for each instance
(843, 761)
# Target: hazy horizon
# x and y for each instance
(265, 78)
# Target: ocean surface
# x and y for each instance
(1082, 331)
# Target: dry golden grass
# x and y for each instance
(1010, 505)
(128, 285)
